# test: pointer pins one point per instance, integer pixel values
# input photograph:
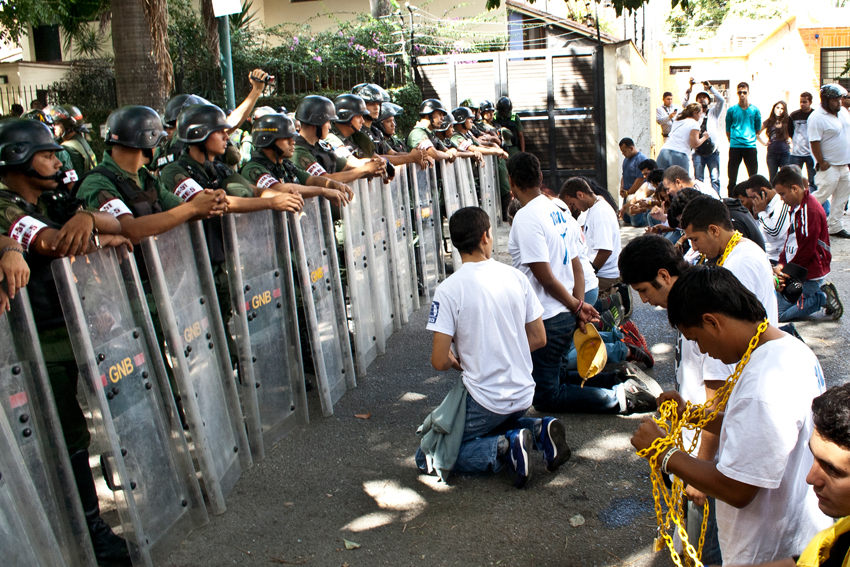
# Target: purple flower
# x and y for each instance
(318, 58)
(295, 40)
(341, 34)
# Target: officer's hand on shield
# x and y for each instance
(115, 241)
(337, 197)
(74, 237)
(287, 202)
(419, 157)
(14, 270)
(478, 157)
(209, 203)
(429, 162)
(4, 301)
(259, 79)
(452, 155)
(347, 191)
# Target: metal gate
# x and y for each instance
(557, 93)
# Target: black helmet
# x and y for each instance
(371, 92)
(262, 111)
(833, 90)
(485, 106)
(348, 106)
(178, 103)
(134, 127)
(61, 116)
(272, 127)
(39, 115)
(21, 138)
(315, 110)
(77, 115)
(462, 114)
(448, 120)
(429, 105)
(504, 106)
(388, 110)
(197, 122)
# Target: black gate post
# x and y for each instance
(554, 177)
(599, 116)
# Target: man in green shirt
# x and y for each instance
(445, 133)
(423, 137)
(463, 137)
(69, 128)
(510, 124)
(69, 173)
(31, 172)
(374, 96)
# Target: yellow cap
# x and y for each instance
(591, 353)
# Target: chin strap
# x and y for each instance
(30, 172)
(148, 153)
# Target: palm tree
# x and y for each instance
(143, 70)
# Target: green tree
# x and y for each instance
(619, 5)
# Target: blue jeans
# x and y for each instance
(552, 396)
(673, 236)
(590, 296)
(639, 220)
(666, 158)
(617, 349)
(712, 162)
(809, 162)
(775, 161)
(711, 546)
(812, 301)
(479, 449)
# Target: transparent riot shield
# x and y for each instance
(181, 276)
(466, 183)
(144, 454)
(383, 288)
(369, 339)
(398, 221)
(488, 180)
(30, 412)
(26, 537)
(451, 198)
(265, 326)
(324, 306)
(438, 226)
(405, 190)
(426, 216)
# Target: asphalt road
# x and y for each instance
(343, 478)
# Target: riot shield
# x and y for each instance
(438, 226)
(324, 306)
(30, 412)
(426, 216)
(144, 454)
(451, 197)
(369, 339)
(399, 238)
(26, 537)
(405, 190)
(383, 288)
(466, 183)
(265, 326)
(182, 280)
(487, 178)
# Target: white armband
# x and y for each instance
(116, 207)
(464, 145)
(70, 177)
(25, 230)
(188, 189)
(267, 181)
(342, 152)
(316, 170)
(425, 144)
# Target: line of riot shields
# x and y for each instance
(186, 392)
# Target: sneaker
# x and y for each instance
(553, 437)
(607, 322)
(521, 442)
(639, 398)
(637, 354)
(613, 304)
(840, 234)
(629, 328)
(625, 296)
(833, 307)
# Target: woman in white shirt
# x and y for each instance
(684, 137)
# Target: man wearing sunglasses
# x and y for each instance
(743, 121)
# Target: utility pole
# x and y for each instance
(226, 61)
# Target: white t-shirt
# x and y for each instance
(705, 189)
(602, 231)
(750, 265)
(833, 133)
(680, 136)
(485, 307)
(764, 442)
(540, 233)
(590, 280)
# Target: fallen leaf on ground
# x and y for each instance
(350, 544)
(577, 520)
(363, 415)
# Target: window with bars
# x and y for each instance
(832, 62)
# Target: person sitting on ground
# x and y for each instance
(830, 446)
(764, 510)
(640, 197)
(740, 217)
(648, 206)
(540, 248)
(805, 258)
(677, 178)
(774, 215)
(492, 315)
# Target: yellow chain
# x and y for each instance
(695, 417)
(736, 238)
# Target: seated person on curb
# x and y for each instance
(30, 170)
(677, 178)
(493, 317)
(640, 196)
(601, 229)
(740, 219)
(773, 214)
(830, 446)
(764, 508)
(540, 248)
(807, 249)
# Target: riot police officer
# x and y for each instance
(47, 225)
(347, 135)
(274, 139)
(316, 156)
(168, 150)
(464, 138)
(375, 97)
(511, 126)
(446, 132)
(422, 136)
(387, 125)
(70, 174)
(68, 123)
